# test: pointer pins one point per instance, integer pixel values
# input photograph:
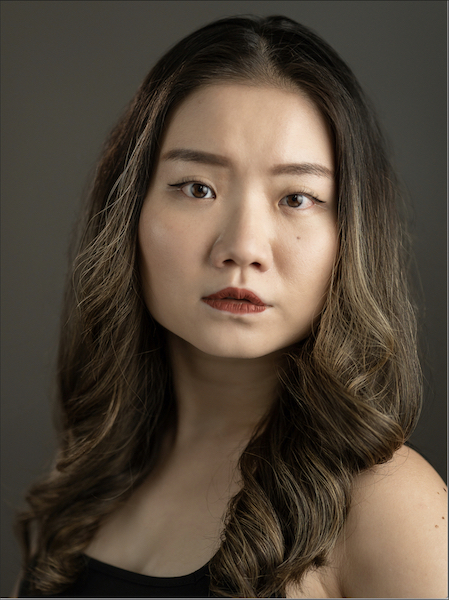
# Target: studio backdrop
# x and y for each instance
(68, 70)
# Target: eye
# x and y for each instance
(298, 201)
(195, 190)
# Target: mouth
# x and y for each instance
(235, 300)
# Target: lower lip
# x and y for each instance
(238, 307)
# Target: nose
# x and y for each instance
(243, 238)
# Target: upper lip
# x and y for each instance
(236, 294)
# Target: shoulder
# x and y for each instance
(394, 544)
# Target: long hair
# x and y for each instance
(350, 393)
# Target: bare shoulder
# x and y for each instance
(395, 540)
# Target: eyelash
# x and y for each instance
(182, 184)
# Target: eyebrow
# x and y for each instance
(207, 158)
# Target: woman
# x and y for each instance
(238, 371)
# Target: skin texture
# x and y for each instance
(241, 231)
(394, 543)
(396, 536)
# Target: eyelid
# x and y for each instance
(307, 195)
(191, 181)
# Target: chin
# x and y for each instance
(226, 348)
(241, 348)
(228, 344)
(232, 350)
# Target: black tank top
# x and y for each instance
(100, 580)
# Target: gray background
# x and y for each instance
(69, 68)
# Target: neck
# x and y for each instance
(219, 398)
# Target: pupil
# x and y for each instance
(294, 200)
(199, 190)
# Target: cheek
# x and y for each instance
(157, 249)
(309, 261)
(168, 250)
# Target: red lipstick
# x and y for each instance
(236, 301)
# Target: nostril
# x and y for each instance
(231, 261)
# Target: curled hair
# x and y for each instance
(349, 394)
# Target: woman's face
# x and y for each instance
(243, 197)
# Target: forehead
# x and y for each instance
(258, 121)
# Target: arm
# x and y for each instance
(395, 539)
